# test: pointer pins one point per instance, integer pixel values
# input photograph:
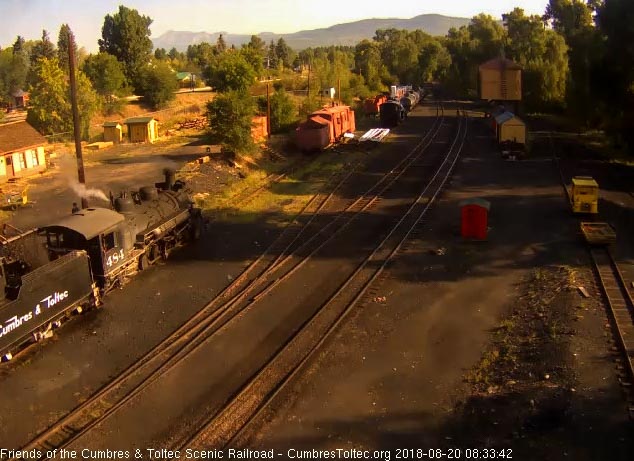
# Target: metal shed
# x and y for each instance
(510, 128)
(142, 129)
(112, 131)
(328, 93)
(500, 80)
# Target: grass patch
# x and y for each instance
(305, 177)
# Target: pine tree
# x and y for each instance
(63, 45)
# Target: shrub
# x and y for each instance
(230, 119)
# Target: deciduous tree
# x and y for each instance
(615, 78)
(367, 57)
(106, 74)
(434, 61)
(13, 71)
(201, 54)
(283, 111)
(284, 53)
(573, 20)
(126, 35)
(231, 72)
(543, 55)
(49, 106)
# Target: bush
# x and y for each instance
(309, 106)
(114, 106)
(283, 112)
(158, 84)
(230, 119)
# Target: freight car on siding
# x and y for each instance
(391, 114)
(409, 101)
(371, 106)
(324, 128)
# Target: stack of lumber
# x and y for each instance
(199, 123)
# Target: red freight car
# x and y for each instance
(371, 105)
(325, 127)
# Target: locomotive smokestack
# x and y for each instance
(170, 177)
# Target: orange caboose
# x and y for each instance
(371, 105)
(325, 127)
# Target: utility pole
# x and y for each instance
(339, 91)
(76, 124)
(308, 94)
(268, 111)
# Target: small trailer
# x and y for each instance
(598, 233)
(12, 200)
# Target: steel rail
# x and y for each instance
(224, 315)
(616, 295)
(620, 309)
(62, 433)
(228, 424)
(62, 428)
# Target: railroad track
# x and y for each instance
(620, 305)
(224, 307)
(248, 195)
(116, 393)
(233, 421)
(617, 299)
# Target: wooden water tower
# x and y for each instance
(500, 80)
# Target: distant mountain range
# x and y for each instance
(341, 34)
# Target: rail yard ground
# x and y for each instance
(460, 344)
(475, 345)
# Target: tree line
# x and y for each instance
(576, 58)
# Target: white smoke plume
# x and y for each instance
(68, 168)
(85, 192)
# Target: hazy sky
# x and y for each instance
(85, 17)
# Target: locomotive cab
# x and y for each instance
(98, 231)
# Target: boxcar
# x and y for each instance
(392, 113)
(325, 127)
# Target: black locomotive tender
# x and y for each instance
(51, 272)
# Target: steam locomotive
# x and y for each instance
(46, 274)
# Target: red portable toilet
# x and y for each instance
(474, 213)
